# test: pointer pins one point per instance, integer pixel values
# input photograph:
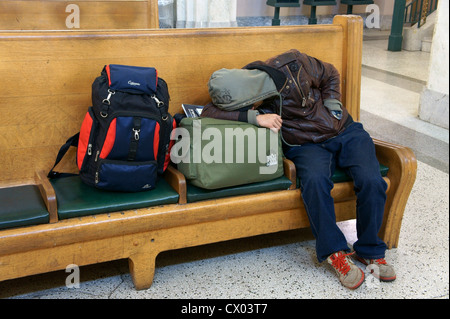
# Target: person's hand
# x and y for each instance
(271, 121)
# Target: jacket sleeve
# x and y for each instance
(324, 77)
(210, 110)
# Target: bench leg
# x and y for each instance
(142, 269)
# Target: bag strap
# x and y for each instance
(72, 141)
(134, 143)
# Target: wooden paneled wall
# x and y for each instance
(46, 76)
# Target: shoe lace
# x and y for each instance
(340, 263)
(381, 261)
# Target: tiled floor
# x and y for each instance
(284, 265)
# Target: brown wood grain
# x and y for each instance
(93, 14)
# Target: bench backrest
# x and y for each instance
(46, 76)
(63, 15)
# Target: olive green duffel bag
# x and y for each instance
(213, 153)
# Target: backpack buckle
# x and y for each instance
(158, 102)
(107, 100)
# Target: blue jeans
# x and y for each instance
(352, 150)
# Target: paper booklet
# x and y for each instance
(192, 110)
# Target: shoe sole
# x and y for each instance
(384, 279)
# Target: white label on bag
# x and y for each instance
(272, 159)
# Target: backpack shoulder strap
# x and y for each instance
(72, 141)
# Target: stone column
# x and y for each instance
(434, 101)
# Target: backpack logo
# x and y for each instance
(134, 83)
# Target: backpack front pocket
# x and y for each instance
(131, 138)
(126, 176)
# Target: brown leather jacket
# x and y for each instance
(306, 85)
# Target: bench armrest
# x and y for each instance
(290, 172)
(48, 195)
(402, 165)
(177, 181)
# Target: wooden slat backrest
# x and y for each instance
(93, 14)
(46, 76)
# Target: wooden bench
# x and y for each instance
(47, 77)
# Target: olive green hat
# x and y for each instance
(233, 89)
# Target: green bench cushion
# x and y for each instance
(194, 193)
(341, 176)
(22, 206)
(76, 199)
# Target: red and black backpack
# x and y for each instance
(124, 141)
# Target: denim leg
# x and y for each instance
(357, 156)
(315, 166)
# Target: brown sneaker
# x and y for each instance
(379, 268)
(350, 275)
